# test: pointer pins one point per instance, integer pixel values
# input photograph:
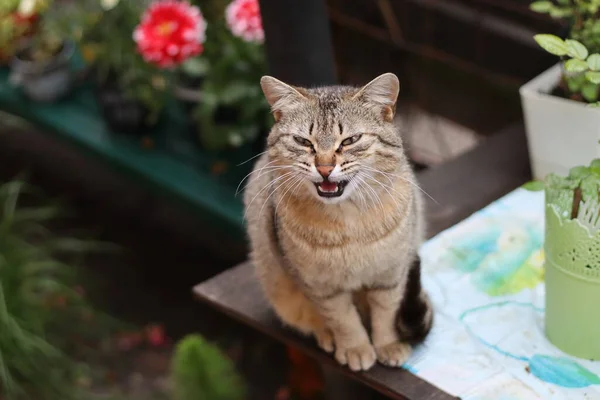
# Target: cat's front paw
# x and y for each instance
(325, 339)
(394, 354)
(358, 358)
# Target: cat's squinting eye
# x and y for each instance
(351, 140)
(302, 141)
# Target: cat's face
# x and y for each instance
(334, 143)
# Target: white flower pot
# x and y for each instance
(561, 133)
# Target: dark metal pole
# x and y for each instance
(298, 41)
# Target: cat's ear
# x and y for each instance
(281, 96)
(382, 92)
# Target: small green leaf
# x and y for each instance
(589, 187)
(541, 6)
(595, 167)
(576, 49)
(575, 82)
(552, 44)
(593, 76)
(579, 172)
(534, 186)
(575, 65)
(590, 92)
(557, 12)
(593, 62)
(594, 105)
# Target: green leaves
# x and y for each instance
(583, 68)
(552, 44)
(578, 172)
(564, 9)
(593, 62)
(534, 186)
(589, 91)
(593, 76)
(199, 370)
(576, 66)
(541, 6)
(576, 49)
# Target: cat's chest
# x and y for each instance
(348, 256)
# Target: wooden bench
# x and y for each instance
(460, 188)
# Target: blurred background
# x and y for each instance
(127, 126)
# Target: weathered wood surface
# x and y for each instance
(460, 188)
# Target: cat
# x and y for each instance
(334, 220)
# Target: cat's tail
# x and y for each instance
(415, 315)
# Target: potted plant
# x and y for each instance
(131, 92)
(189, 79)
(233, 110)
(18, 20)
(572, 260)
(562, 99)
(42, 66)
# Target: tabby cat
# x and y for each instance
(335, 218)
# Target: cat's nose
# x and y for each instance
(325, 170)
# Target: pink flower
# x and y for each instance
(244, 21)
(170, 32)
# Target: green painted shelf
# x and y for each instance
(176, 165)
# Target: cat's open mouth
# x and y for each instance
(330, 189)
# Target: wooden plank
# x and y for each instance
(461, 187)
(236, 293)
(475, 179)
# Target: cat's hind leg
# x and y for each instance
(293, 307)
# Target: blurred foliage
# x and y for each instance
(105, 40)
(233, 110)
(201, 371)
(13, 26)
(583, 17)
(47, 328)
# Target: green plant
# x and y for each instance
(14, 26)
(582, 184)
(200, 371)
(582, 70)
(47, 328)
(581, 15)
(233, 110)
(581, 50)
(105, 38)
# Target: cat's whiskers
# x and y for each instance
(385, 187)
(295, 175)
(268, 185)
(403, 196)
(237, 191)
(362, 198)
(292, 185)
(400, 177)
(371, 190)
(252, 158)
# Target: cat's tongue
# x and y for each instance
(327, 186)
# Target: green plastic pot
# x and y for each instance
(572, 264)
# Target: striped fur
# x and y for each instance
(316, 257)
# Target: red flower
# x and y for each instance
(243, 18)
(170, 32)
(155, 334)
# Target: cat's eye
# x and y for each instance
(302, 141)
(351, 140)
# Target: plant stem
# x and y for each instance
(576, 201)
